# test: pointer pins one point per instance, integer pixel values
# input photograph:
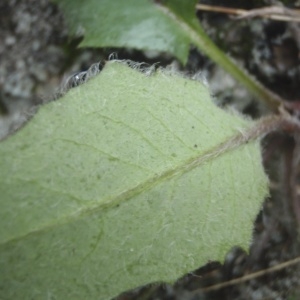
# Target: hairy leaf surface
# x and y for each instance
(128, 179)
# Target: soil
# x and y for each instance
(38, 57)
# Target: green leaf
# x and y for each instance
(133, 24)
(141, 24)
(126, 180)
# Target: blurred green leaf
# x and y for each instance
(133, 24)
(170, 27)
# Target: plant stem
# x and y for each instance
(204, 43)
(207, 46)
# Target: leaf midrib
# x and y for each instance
(227, 145)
